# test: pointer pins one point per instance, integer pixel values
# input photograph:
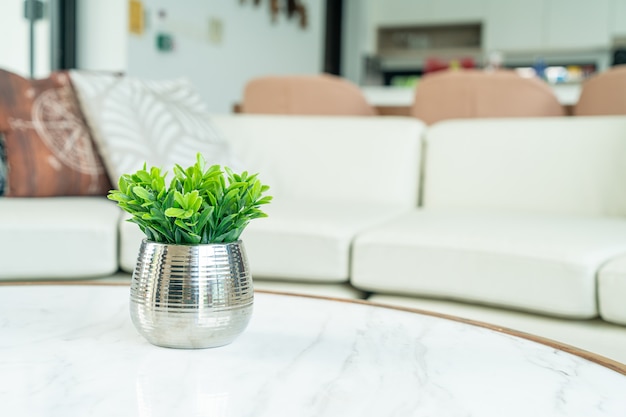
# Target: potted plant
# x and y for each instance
(191, 287)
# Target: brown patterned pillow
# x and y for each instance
(48, 147)
(3, 166)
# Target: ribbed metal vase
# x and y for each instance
(191, 296)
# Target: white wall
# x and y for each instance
(14, 42)
(250, 46)
(101, 41)
(14, 48)
(410, 12)
(358, 40)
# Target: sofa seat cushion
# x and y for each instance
(58, 238)
(537, 262)
(300, 240)
(310, 241)
(612, 290)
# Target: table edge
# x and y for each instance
(590, 356)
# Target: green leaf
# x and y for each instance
(193, 201)
(204, 216)
(123, 183)
(143, 193)
(178, 213)
(118, 196)
(264, 200)
(230, 195)
(143, 175)
(196, 206)
(180, 199)
(229, 236)
(183, 225)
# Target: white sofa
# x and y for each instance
(523, 214)
(519, 213)
(517, 222)
(58, 238)
(331, 178)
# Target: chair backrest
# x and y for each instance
(462, 94)
(322, 94)
(603, 94)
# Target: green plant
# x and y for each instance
(199, 205)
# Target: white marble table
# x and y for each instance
(72, 351)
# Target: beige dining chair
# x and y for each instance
(462, 94)
(322, 94)
(603, 94)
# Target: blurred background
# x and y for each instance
(384, 46)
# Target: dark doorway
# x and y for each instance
(332, 42)
(63, 27)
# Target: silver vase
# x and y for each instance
(191, 296)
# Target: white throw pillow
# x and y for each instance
(160, 123)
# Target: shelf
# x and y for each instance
(422, 39)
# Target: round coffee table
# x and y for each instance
(71, 350)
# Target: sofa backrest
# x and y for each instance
(330, 159)
(569, 165)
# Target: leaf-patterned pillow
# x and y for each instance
(135, 121)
